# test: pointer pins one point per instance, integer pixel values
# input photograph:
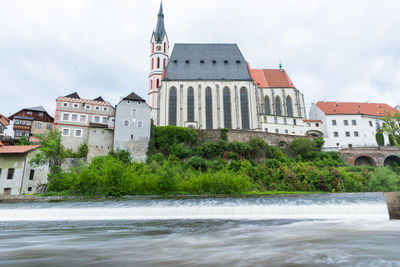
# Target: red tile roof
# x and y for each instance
(374, 109)
(271, 78)
(4, 120)
(16, 149)
(312, 121)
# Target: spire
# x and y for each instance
(160, 30)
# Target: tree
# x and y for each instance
(380, 140)
(24, 141)
(53, 154)
(392, 125)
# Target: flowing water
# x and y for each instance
(311, 230)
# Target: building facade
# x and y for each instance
(349, 124)
(85, 121)
(4, 122)
(132, 126)
(32, 121)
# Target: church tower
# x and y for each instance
(159, 48)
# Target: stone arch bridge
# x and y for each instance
(371, 156)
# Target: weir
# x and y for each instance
(393, 205)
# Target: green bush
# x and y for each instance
(383, 179)
(392, 142)
(380, 140)
(224, 134)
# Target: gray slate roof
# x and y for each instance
(134, 97)
(160, 29)
(38, 108)
(207, 62)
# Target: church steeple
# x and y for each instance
(160, 29)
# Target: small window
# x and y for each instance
(96, 119)
(294, 122)
(345, 122)
(40, 114)
(134, 111)
(237, 61)
(48, 126)
(105, 120)
(202, 61)
(102, 132)
(286, 131)
(30, 189)
(65, 116)
(126, 123)
(335, 134)
(187, 61)
(214, 62)
(87, 107)
(65, 104)
(175, 61)
(74, 117)
(347, 134)
(7, 191)
(10, 173)
(276, 131)
(333, 122)
(83, 118)
(31, 175)
(76, 105)
(65, 132)
(284, 120)
(105, 109)
(97, 108)
(38, 125)
(275, 120)
(78, 132)
(131, 136)
(308, 124)
(266, 130)
(16, 122)
(317, 124)
(356, 134)
(225, 61)
(370, 124)
(29, 112)
(140, 124)
(28, 123)
(353, 122)
(94, 131)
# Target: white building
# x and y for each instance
(211, 86)
(349, 124)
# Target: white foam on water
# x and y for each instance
(168, 212)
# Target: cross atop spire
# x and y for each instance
(160, 29)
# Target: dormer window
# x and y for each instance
(175, 61)
(202, 61)
(214, 62)
(225, 61)
(187, 61)
(238, 61)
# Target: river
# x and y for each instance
(309, 230)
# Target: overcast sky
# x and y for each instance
(332, 50)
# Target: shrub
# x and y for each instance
(383, 179)
(392, 142)
(380, 140)
(224, 134)
(197, 162)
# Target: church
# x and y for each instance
(211, 86)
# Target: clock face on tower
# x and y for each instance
(158, 47)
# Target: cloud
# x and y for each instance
(333, 50)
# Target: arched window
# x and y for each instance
(152, 63)
(244, 106)
(172, 106)
(158, 63)
(165, 47)
(209, 115)
(165, 63)
(278, 109)
(158, 83)
(267, 106)
(227, 108)
(151, 84)
(190, 104)
(152, 48)
(289, 106)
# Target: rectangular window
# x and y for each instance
(105, 109)
(65, 104)
(31, 175)
(266, 130)
(0, 173)
(286, 131)
(317, 125)
(353, 122)
(140, 124)
(10, 174)
(78, 132)
(370, 124)
(94, 131)
(345, 122)
(335, 134)
(65, 116)
(29, 189)
(105, 120)
(126, 123)
(356, 134)
(275, 120)
(284, 120)
(40, 114)
(347, 134)
(276, 131)
(334, 122)
(76, 105)
(294, 122)
(134, 111)
(29, 112)
(308, 124)
(97, 108)
(87, 107)
(48, 126)
(7, 191)
(102, 132)
(378, 125)
(74, 117)
(131, 136)
(65, 132)
(96, 119)
(16, 121)
(28, 123)
(38, 125)
(83, 118)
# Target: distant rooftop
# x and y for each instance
(374, 109)
(134, 97)
(271, 78)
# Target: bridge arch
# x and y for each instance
(282, 144)
(391, 160)
(364, 161)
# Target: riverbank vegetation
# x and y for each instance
(180, 163)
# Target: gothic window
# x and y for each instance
(289, 106)
(244, 106)
(172, 106)
(190, 104)
(209, 118)
(158, 63)
(278, 108)
(151, 84)
(267, 106)
(158, 83)
(165, 48)
(152, 48)
(227, 108)
(152, 63)
(165, 63)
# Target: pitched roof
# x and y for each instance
(271, 78)
(374, 109)
(134, 97)
(17, 149)
(207, 62)
(100, 99)
(160, 29)
(73, 95)
(38, 108)
(4, 120)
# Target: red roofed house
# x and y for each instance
(17, 176)
(350, 124)
(4, 122)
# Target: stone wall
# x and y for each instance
(245, 136)
(376, 155)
